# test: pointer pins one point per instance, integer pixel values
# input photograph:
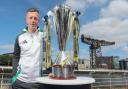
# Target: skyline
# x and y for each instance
(100, 19)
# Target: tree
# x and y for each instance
(6, 59)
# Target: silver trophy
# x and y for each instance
(65, 22)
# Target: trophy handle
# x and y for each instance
(48, 61)
(75, 32)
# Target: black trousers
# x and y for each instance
(48, 86)
(23, 85)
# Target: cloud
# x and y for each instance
(7, 47)
(117, 8)
(82, 5)
(112, 24)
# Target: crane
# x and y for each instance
(94, 48)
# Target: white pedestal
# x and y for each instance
(79, 82)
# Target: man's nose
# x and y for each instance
(33, 19)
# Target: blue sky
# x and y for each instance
(102, 19)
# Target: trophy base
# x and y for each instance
(65, 72)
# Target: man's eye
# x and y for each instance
(30, 17)
(35, 18)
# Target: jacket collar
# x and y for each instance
(26, 29)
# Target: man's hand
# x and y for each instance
(50, 75)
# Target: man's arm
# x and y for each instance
(16, 56)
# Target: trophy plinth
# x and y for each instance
(63, 72)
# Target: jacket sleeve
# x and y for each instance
(16, 58)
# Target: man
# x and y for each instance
(28, 53)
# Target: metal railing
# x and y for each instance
(5, 77)
(110, 83)
(5, 83)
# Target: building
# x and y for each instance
(107, 62)
(123, 64)
(83, 64)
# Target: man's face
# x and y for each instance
(32, 20)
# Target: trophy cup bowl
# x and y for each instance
(62, 69)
